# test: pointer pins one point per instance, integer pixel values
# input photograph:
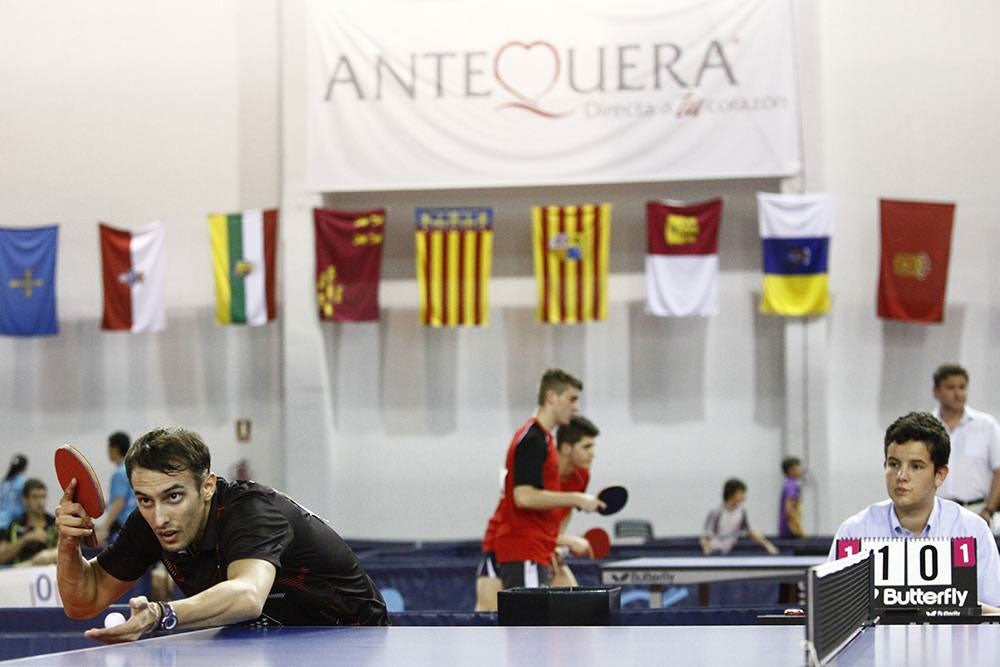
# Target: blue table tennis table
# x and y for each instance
(773, 646)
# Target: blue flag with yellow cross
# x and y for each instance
(28, 281)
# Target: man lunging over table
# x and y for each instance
(240, 551)
(916, 451)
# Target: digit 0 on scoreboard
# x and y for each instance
(928, 562)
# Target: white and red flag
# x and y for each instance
(682, 264)
(133, 278)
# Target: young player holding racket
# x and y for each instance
(526, 535)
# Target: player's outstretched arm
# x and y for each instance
(763, 541)
(532, 498)
(240, 598)
(84, 586)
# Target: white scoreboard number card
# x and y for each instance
(930, 576)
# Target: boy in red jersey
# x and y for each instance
(576, 452)
(530, 519)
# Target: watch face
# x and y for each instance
(169, 620)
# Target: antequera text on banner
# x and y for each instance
(470, 94)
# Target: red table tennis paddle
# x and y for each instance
(70, 465)
(614, 498)
(600, 542)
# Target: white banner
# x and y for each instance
(466, 93)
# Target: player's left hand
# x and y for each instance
(773, 550)
(579, 546)
(144, 616)
(987, 516)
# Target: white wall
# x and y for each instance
(127, 112)
(908, 98)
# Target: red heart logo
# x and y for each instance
(528, 70)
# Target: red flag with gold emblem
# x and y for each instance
(348, 263)
(916, 244)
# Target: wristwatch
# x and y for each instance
(168, 619)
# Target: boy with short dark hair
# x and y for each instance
(529, 522)
(32, 533)
(725, 525)
(240, 551)
(916, 449)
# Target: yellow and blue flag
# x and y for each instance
(795, 234)
(28, 281)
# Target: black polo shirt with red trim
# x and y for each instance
(319, 580)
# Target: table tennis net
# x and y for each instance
(839, 605)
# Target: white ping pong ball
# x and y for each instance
(113, 619)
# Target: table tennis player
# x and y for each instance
(526, 534)
(916, 451)
(575, 444)
(240, 551)
(575, 447)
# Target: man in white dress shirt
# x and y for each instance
(916, 464)
(974, 477)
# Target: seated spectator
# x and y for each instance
(31, 534)
(11, 489)
(725, 525)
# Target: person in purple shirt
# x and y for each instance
(790, 507)
(916, 450)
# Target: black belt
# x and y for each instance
(966, 503)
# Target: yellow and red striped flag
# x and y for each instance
(454, 255)
(572, 250)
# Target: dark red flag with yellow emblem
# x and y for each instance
(348, 263)
(916, 244)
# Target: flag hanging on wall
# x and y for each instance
(916, 244)
(682, 264)
(454, 256)
(795, 234)
(133, 278)
(572, 247)
(244, 257)
(28, 281)
(348, 263)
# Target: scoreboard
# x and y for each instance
(933, 577)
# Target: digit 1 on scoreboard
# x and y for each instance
(890, 561)
(963, 551)
(848, 547)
